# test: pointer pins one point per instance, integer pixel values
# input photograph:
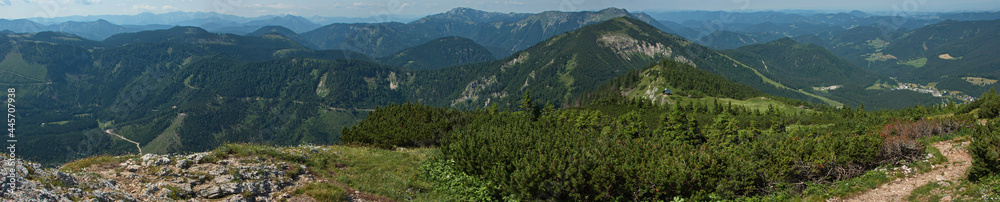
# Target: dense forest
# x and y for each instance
(627, 149)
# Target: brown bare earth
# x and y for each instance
(955, 169)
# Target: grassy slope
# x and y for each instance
(776, 84)
(17, 70)
(168, 140)
(387, 173)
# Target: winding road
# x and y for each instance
(112, 132)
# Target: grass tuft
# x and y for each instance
(79, 165)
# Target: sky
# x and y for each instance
(16, 9)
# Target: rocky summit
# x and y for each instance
(206, 176)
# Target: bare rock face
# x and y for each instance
(151, 177)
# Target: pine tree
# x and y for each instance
(526, 102)
(549, 111)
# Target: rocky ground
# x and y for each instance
(194, 177)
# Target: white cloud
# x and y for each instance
(168, 8)
(88, 2)
(280, 6)
(143, 7)
(511, 3)
(362, 4)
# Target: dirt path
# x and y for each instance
(112, 132)
(354, 109)
(955, 169)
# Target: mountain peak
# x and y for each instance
(857, 13)
(783, 41)
(187, 30)
(463, 10)
(272, 29)
(614, 11)
(466, 14)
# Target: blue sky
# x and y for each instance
(12, 9)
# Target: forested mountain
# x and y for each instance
(819, 71)
(857, 45)
(100, 27)
(501, 33)
(472, 16)
(951, 55)
(295, 23)
(951, 48)
(161, 87)
(656, 83)
(729, 40)
(285, 32)
(440, 53)
(722, 29)
(803, 66)
(145, 85)
(196, 35)
(561, 68)
(96, 30)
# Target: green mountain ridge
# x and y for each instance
(440, 53)
(487, 29)
(284, 32)
(803, 66)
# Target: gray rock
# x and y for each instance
(231, 188)
(65, 179)
(221, 179)
(196, 157)
(183, 164)
(211, 192)
(164, 172)
(133, 168)
(109, 184)
(152, 188)
(163, 161)
(237, 198)
(147, 159)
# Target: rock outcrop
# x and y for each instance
(195, 177)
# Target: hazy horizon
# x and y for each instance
(21, 9)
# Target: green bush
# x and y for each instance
(583, 155)
(985, 151)
(405, 125)
(456, 184)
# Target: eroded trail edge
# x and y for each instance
(956, 168)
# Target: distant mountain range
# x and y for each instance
(721, 29)
(717, 29)
(502, 33)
